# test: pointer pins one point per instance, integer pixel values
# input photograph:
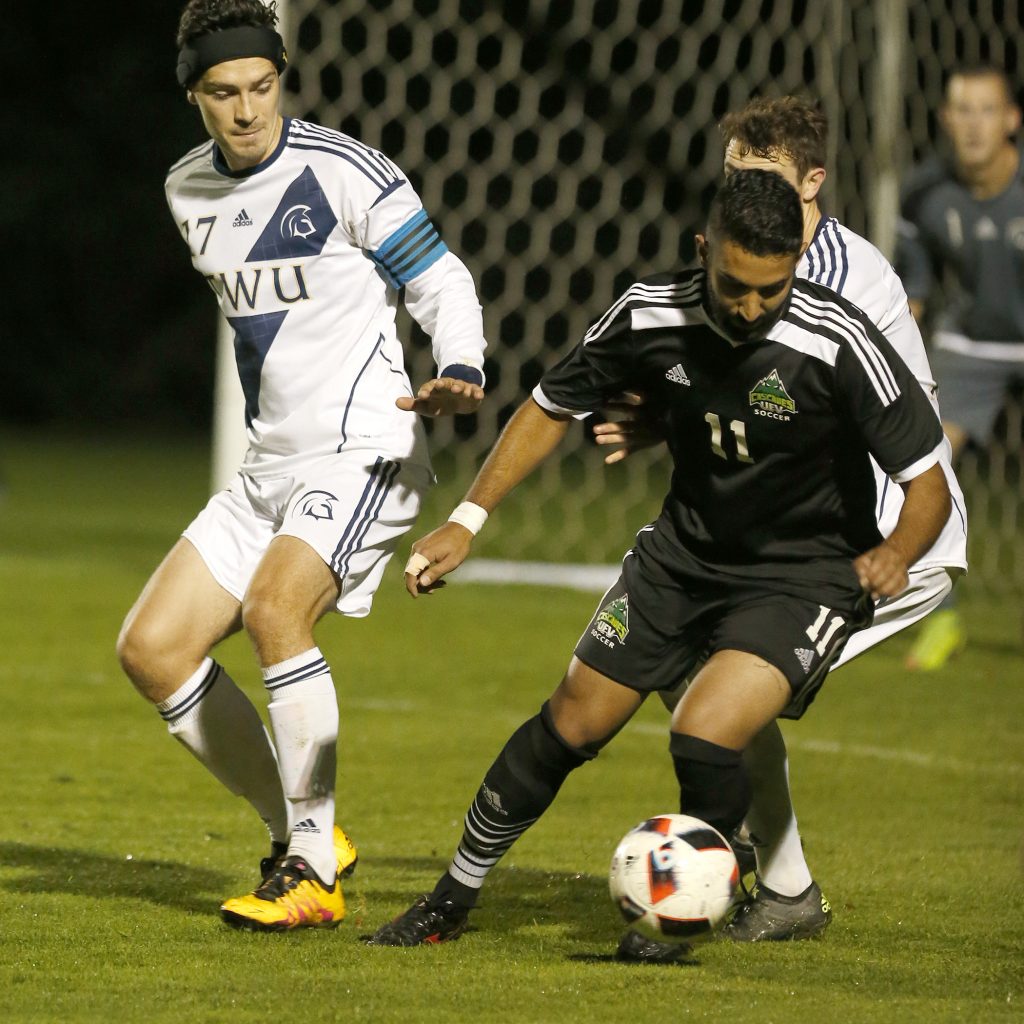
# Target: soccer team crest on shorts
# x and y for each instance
(316, 505)
(612, 622)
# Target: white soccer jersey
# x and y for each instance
(842, 260)
(306, 253)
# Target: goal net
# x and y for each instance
(567, 148)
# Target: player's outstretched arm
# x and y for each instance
(531, 435)
(882, 571)
(443, 396)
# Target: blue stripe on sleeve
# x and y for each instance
(410, 250)
(395, 238)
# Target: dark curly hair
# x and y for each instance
(787, 124)
(760, 211)
(203, 16)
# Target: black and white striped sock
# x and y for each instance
(515, 792)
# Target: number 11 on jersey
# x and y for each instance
(737, 428)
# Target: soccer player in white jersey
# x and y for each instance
(788, 135)
(306, 237)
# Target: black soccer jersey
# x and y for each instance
(769, 440)
(977, 245)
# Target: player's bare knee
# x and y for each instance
(132, 649)
(273, 626)
(154, 658)
(140, 656)
(261, 614)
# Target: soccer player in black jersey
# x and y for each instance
(774, 392)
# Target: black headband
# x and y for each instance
(202, 53)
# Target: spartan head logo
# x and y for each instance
(316, 505)
(297, 223)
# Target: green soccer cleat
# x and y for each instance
(941, 639)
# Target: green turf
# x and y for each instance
(115, 847)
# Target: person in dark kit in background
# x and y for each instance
(962, 239)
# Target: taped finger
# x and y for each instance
(416, 564)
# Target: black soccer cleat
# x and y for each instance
(765, 916)
(424, 923)
(278, 852)
(638, 949)
(743, 849)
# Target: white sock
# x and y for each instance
(304, 714)
(771, 820)
(211, 716)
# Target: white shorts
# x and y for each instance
(346, 507)
(927, 589)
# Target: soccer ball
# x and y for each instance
(673, 878)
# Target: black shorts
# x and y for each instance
(652, 627)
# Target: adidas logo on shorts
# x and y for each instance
(677, 375)
(804, 656)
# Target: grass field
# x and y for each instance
(116, 848)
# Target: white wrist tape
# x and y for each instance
(469, 515)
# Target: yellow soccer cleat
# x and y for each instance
(345, 851)
(941, 639)
(291, 896)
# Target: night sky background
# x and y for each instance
(105, 321)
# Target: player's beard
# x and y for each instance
(740, 331)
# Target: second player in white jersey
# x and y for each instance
(842, 260)
(788, 135)
(306, 253)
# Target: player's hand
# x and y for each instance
(882, 571)
(443, 396)
(629, 427)
(434, 556)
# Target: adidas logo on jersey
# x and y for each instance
(306, 825)
(242, 220)
(804, 656)
(677, 375)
